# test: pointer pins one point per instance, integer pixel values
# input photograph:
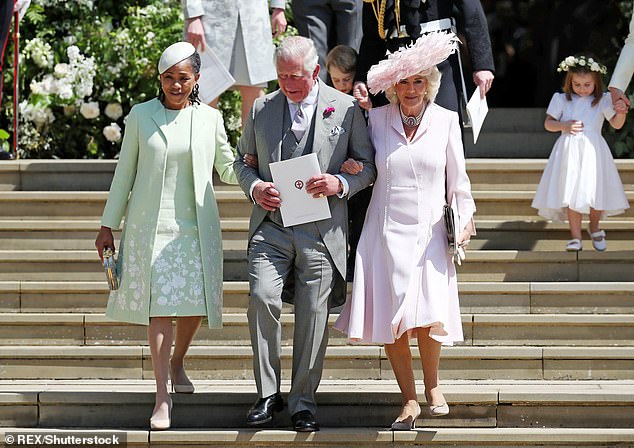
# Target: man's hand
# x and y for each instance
(323, 185)
(278, 22)
(195, 33)
(266, 196)
(483, 79)
(618, 94)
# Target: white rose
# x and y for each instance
(72, 52)
(112, 132)
(570, 60)
(595, 67)
(114, 111)
(65, 92)
(61, 70)
(89, 110)
(582, 62)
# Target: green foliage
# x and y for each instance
(79, 77)
(84, 64)
(4, 140)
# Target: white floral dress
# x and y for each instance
(177, 285)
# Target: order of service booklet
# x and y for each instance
(290, 177)
(214, 77)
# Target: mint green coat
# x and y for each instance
(138, 184)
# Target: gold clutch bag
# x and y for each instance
(110, 266)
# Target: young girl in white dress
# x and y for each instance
(580, 177)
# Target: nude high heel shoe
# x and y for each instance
(186, 388)
(437, 410)
(161, 424)
(407, 424)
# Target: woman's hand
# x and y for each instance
(351, 166)
(361, 94)
(465, 237)
(195, 33)
(250, 160)
(573, 127)
(104, 239)
(278, 22)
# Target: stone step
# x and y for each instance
(524, 174)
(56, 175)
(539, 235)
(342, 362)
(90, 204)
(233, 204)
(516, 205)
(510, 144)
(609, 330)
(481, 265)
(431, 436)
(96, 175)
(493, 234)
(342, 404)
(475, 297)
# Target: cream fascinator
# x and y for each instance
(428, 51)
(174, 54)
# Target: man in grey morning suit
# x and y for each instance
(304, 263)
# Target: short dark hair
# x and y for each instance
(343, 57)
(195, 63)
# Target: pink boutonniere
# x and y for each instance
(328, 111)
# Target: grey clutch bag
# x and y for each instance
(110, 266)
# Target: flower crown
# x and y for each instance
(581, 61)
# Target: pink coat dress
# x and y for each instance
(404, 277)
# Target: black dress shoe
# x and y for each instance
(262, 411)
(303, 421)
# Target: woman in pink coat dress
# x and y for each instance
(405, 281)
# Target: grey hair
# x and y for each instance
(432, 75)
(297, 47)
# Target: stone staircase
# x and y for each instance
(548, 357)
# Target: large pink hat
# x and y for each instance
(428, 51)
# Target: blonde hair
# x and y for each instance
(432, 75)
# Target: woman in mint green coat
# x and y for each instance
(170, 256)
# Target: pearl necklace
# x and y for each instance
(410, 120)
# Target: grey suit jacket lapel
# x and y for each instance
(273, 125)
(322, 145)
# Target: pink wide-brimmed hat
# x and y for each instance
(428, 51)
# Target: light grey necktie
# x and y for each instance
(300, 123)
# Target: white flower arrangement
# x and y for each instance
(112, 132)
(582, 61)
(36, 113)
(40, 52)
(89, 110)
(114, 111)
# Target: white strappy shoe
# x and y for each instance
(598, 240)
(574, 245)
